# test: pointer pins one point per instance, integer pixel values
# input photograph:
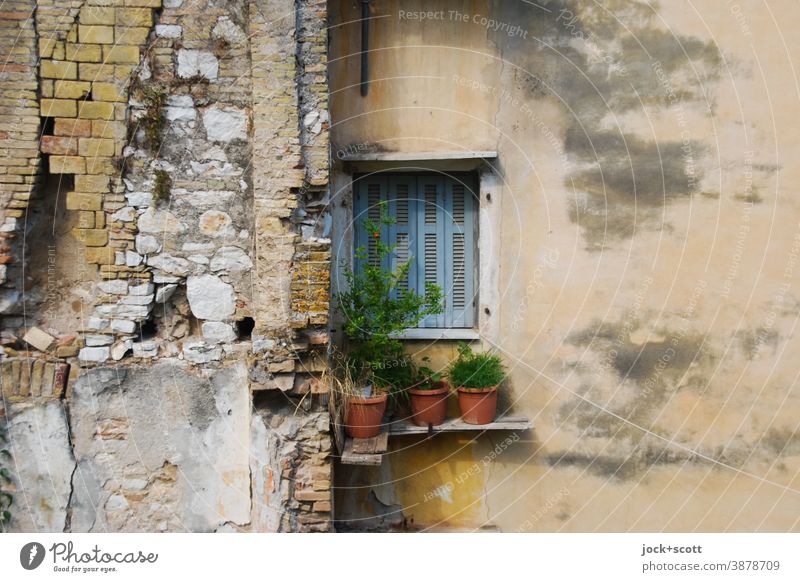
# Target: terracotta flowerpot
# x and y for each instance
(429, 406)
(364, 415)
(477, 405)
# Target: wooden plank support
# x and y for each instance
(508, 422)
(351, 457)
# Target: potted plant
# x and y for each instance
(476, 377)
(375, 308)
(362, 404)
(428, 396)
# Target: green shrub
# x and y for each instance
(375, 309)
(476, 370)
(423, 377)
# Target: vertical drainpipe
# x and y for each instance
(364, 47)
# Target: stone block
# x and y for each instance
(92, 147)
(121, 54)
(91, 237)
(96, 110)
(38, 339)
(59, 145)
(109, 129)
(72, 127)
(84, 53)
(135, 16)
(144, 3)
(59, 107)
(95, 71)
(210, 297)
(58, 69)
(92, 183)
(309, 495)
(94, 354)
(46, 47)
(85, 219)
(71, 89)
(96, 34)
(108, 92)
(135, 35)
(99, 255)
(218, 331)
(168, 30)
(97, 15)
(194, 63)
(84, 201)
(67, 165)
(101, 165)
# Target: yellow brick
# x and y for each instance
(97, 15)
(85, 219)
(101, 166)
(94, 71)
(134, 16)
(100, 219)
(59, 108)
(67, 165)
(72, 89)
(93, 147)
(145, 3)
(96, 34)
(91, 183)
(58, 70)
(110, 129)
(91, 237)
(46, 46)
(84, 53)
(96, 110)
(121, 54)
(100, 255)
(136, 35)
(46, 86)
(108, 92)
(58, 51)
(84, 201)
(123, 72)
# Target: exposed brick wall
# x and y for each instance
(19, 140)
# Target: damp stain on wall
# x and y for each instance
(603, 63)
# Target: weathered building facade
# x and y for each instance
(169, 198)
(164, 183)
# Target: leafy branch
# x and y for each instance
(376, 307)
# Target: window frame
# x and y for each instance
(489, 189)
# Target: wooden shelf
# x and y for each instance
(370, 451)
(507, 422)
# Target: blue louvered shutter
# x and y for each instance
(435, 230)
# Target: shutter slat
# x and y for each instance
(373, 213)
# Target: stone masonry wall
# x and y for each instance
(192, 139)
(19, 140)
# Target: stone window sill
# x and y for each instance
(438, 333)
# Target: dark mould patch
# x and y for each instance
(619, 467)
(626, 169)
(752, 342)
(202, 406)
(645, 377)
(782, 442)
(607, 59)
